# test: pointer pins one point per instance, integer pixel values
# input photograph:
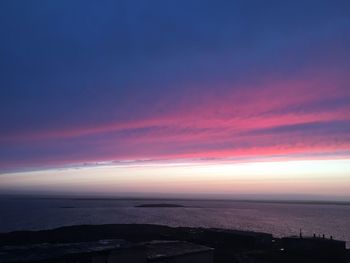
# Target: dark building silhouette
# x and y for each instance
(325, 249)
(108, 251)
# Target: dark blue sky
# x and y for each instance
(88, 81)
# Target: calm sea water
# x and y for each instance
(280, 219)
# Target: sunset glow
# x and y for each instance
(193, 180)
(180, 97)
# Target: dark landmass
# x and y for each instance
(268, 201)
(159, 205)
(174, 199)
(297, 202)
(230, 245)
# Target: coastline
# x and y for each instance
(228, 244)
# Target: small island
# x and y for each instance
(160, 205)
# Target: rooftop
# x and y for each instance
(46, 251)
(37, 252)
(241, 232)
(160, 249)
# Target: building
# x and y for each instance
(225, 238)
(178, 252)
(107, 251)
(314, 247)
(104, 251)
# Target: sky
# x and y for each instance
(185, 96)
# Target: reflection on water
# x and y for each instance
(280, 219)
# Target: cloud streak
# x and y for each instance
(84, 82)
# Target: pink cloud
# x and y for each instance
(213, 126)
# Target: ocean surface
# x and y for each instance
(280, 219)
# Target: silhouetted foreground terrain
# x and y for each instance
(229, 245)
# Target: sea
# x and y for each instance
(279, 218)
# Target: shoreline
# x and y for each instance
(227, 243)
(99, 231)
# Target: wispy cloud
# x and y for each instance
(211, 80)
